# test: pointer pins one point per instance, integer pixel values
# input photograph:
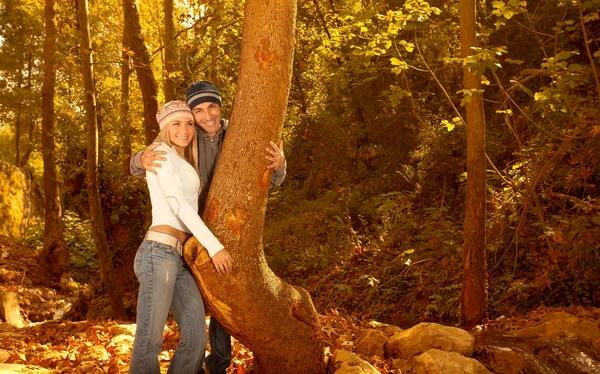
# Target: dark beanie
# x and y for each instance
(201, 92)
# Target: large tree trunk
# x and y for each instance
(97, 220)
(474, 292)
(169, 42)
(275, 320)
(54, 258)
(141, 61)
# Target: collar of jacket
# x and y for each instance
(219, 134)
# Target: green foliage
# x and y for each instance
(83, 262)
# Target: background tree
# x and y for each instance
(143, 68)
(54, 258)
(475, 273)
(170, 47)
(97, 218)
(274, 319)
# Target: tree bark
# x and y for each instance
(169, 42)
(275, 320)
(125, 125)
(474, 290)
(54, 258)
(141, 61)
(97, 220)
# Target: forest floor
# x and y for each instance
(52, 340)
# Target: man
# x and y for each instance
(205, 103)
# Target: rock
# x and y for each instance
(388, 330)
(4, 355)
(126, 329)
(10, 311)
(436, 361)
(345, 341)
(371, 343)
(121, 344)
(561, 325)
(425, 336)
(346, 362)
(402, 364)
(505, 360)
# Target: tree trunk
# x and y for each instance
(275, 320)
(141, 61)
(54, 258)
(125, 124)
(97, 220)
(474, 291)
(18, 136)
(169, 42)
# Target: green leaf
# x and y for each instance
(575, 68)
(563, 55)
(395, 61)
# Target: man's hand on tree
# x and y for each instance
(276, 157)
(150, 156)
(223, 262)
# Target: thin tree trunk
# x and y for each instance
(169, 42)
(141, 61)
(275, 320)
(97, 221)
(32, 138)
(18, 136)
(474, 292)
(54, 258)
(125, 125)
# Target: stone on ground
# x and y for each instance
(371, 343)
(426, 336)
(346, 362)
(10, 311)
(436, 361)
(562, 325)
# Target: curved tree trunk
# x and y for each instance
(275, 320)
(54, 258)
(141, 61)
(97, 221)
(474, 292)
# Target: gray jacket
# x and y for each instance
(209, 151)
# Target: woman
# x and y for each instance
(166, 282)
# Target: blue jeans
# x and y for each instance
(166, 283)
(219, 358)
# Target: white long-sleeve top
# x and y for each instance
(174, 195)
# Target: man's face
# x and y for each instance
(208, 117)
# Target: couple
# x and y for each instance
(178, 171)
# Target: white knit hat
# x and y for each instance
(171, 110)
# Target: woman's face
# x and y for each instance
(181, 131)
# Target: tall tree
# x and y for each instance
(125, 124)
(54, 258)
(474, 292)
(97, 219)
(169, 42)
(141, 61)
(275, 320)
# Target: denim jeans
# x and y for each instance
(219, 358)
(166, 283)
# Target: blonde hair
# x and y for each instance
(190, 152)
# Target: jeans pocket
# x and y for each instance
(139, 258)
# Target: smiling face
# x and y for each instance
(180, 132)
(208, 117)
